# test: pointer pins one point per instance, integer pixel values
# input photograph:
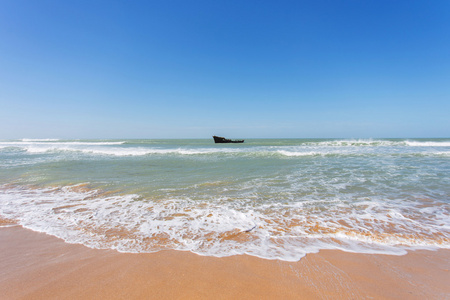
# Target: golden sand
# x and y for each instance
(38, 266)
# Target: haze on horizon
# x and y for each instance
(243, 69)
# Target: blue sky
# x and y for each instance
(242, 69)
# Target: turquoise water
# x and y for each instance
(272, 198)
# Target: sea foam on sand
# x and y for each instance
(37, 266)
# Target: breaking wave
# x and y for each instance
(378, 143)
(122, 149)
(221, 226)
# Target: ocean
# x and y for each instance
(270, 198)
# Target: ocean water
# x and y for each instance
(271, 198)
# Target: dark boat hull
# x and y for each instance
(222, 140)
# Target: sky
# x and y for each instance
(240, 69)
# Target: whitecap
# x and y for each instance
(221, 227)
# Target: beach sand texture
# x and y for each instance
(38, 266)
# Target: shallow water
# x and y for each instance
(274, 198)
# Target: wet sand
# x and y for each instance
(38, 266)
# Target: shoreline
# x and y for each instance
(39, 266)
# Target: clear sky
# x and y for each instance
(242, 69)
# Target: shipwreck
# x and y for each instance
(222, 140)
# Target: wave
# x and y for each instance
(443, 153)
(111, 149)
(46, 146)
(378, 143)
(304, 145)
(143, 151)
(428, 144)
(128, 151)
(297, 153)
(221, 227)
(354, 143)
(302, 148)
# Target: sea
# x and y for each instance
(270, 198)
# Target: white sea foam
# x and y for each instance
(442, 153)
(128, 151)
(308, 148)
(298, 153)
(427, 144)
(36, 147)
(355, 143)
(222, 226)
(112, 149)
(378, 143)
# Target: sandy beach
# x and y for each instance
(38, 266)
